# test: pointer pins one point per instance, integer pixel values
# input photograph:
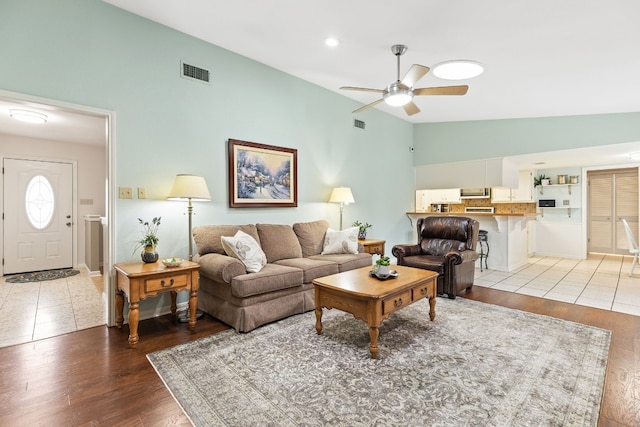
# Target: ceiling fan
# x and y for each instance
(401, 92)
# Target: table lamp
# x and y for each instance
(343, 196)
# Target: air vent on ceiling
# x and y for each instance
(358, 123)
(193, 72)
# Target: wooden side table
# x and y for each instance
(373, 247)
(139, 281)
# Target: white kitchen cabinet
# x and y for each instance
(425, 198)
(522, 194)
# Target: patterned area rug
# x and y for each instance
(41, 276)
(475, 365)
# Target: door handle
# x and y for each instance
(68, 224)
(68, 216)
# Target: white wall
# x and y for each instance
(91, 177)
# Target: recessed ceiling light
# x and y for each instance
(28, 116)
(635, 156)
(331, 41)
(459, 69)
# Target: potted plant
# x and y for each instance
(149, 239)
(541, 179)
(362, 229)
(382, 265)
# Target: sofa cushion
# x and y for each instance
(278, 242)
(271, 278)
(341, 242)
(246, 249)
(311, 236)
(312, 268)
(207, 237)
(346, 261)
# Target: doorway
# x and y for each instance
(612, 196)
(38, 232)
(72, 124)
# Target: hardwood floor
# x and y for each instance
(92, 377)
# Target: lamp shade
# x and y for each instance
(192, 187)
(341, 195)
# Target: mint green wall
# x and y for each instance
(89, 53)
(457, 141)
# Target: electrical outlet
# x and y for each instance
(142, 193)
(126, 193)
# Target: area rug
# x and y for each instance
(41, 276)
(475, 365)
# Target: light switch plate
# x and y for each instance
(142, 193)
(126, 193)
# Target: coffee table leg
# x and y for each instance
(432, 308)
(373, 347)
(319, 320)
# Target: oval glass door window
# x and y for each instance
(39, 202)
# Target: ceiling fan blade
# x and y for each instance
(411, 108)
(373, 104)
(362, 89)
(415, 73)
(443, 90)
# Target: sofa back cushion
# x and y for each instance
(311, 236)
(208, 237)
(278, 242)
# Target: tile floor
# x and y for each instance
(600, 281)
(32, 311)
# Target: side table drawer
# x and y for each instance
(164, 283)
(375, 249)
(396, 302)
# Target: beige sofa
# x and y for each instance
(281, 288)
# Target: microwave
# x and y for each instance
(475, 193)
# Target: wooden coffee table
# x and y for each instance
(373, 300)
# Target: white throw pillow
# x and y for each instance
(341, 242)
(246, 249)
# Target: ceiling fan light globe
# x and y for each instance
(398, 95)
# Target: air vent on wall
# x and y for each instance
(193, 72)
(358, 123)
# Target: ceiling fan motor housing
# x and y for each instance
(398, 94)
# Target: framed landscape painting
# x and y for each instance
(262, 175)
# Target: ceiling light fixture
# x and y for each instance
(398, 95)
(28, 116)
(459, 69)
(331, 41)
(635, 156)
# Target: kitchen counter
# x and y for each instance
(472, 214)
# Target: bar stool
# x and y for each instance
(483, 242)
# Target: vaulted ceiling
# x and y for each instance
(542, 58)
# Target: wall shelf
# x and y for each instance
(568, 186)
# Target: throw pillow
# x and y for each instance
(341, 242)
(246, 249)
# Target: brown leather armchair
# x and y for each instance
(446, 244)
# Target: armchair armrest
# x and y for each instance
(459, 257)
(220, 268)
(401, 251)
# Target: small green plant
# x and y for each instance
(538, 179)
(383, 260)
(362, 228)
(149, 233)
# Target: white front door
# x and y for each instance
(38, 208)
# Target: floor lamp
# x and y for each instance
(343, 196)
(191, 188)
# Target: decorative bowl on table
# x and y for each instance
(172, 262)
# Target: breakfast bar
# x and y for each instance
(508, 235)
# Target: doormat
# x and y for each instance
(41, 276)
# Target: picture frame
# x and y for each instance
(262, 176)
